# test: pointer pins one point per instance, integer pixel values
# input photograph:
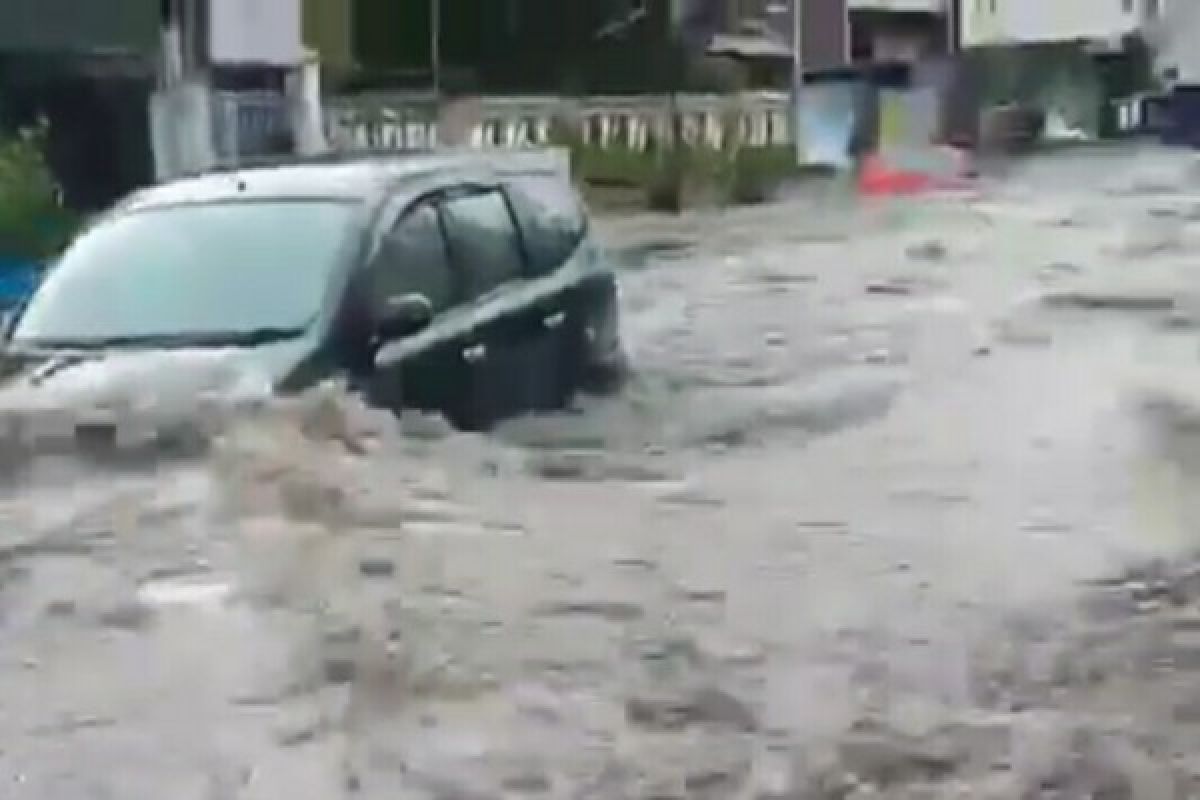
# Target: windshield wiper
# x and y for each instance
(253, 337)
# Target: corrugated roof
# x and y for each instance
(748, 46)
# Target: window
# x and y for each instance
(413, 260)
(209, 269)
(552, 222)
(483, 240)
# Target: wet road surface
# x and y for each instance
(898, 504)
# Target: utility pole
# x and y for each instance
(797, 71)
(953, 14)
(797, 42)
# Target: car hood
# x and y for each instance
(158, 383)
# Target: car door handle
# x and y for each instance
(475, 353)
(555, 320)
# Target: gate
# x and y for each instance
(248, 124)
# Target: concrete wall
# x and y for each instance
(757, 119)
(990, 22)
(825, 34)
(263, 32)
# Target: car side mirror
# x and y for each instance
(404, 315)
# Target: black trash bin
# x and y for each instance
(1182, 117)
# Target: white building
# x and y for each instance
(1174, 35)
(1014, 22)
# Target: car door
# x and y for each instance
(553, 227)
(501, 350)
(426, 370)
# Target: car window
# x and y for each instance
(413, 259)
(483, 239)
(552, 222)
(193, 270)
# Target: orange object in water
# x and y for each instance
(877, 178)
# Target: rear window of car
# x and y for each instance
(552, 220)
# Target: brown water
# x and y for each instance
(899, 504)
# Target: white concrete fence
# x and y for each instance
(759, 119)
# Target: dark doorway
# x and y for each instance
(100, 145)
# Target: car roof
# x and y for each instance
(363, 178)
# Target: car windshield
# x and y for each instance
(192, 270)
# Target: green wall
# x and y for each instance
(329, 29)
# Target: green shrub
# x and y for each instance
(755, 173)
(669, 177)
(34, 224)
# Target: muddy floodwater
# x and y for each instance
(902, 501)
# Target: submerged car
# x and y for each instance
(433, 282)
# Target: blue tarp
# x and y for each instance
(18, 280)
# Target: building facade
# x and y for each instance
(1172, 30)
(1016, 22)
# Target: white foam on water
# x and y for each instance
(191, 593)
